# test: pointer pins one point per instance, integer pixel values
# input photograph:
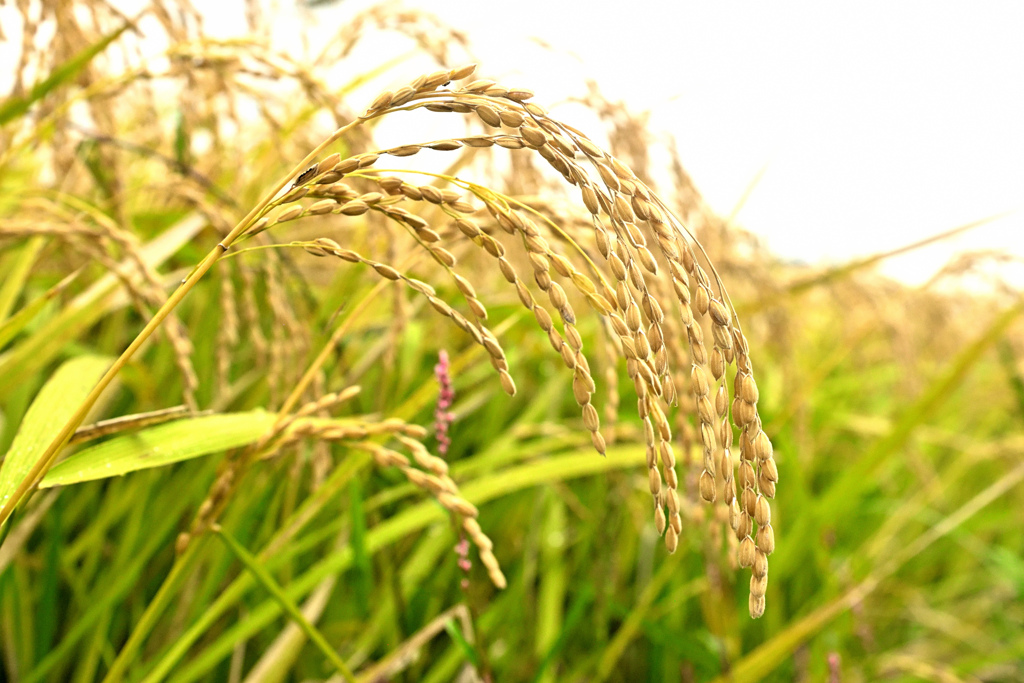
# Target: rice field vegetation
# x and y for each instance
(280, 402)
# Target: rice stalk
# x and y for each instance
(620, 267)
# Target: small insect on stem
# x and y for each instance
(305, 175)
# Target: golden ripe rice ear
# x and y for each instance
(659, 302)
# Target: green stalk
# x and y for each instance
(286, 603)
(154, 610)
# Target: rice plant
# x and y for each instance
(321, 476)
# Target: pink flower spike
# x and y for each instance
(442, 416)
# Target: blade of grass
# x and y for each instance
(56, 401)
(362, 578)
(23, 529)
(580, 463)
(1013, 375)
(47, 612)
(181, 568)
(120, 583)
(401, 656)
(554, 583)
(277, 661)
(86, 667)
(15, 619)
(272, 556)
(10, 327)
(14, 280)
(419, 569)
(15, 107)
(287, 605)
(631, 626)
(467, 650)
(492, 620)
(30, 355)
(577, 610)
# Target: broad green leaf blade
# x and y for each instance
(15, 107)
(55, 404)
(161, 445)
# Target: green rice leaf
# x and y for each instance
(10, 327)
(161, 445)
(18, 270)
(286, 603)
(55, 403)
(459, 639)
(15, 107)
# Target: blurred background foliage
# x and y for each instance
(896, 412)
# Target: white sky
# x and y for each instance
(875, 124)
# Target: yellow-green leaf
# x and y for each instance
(15, 107)
(286, 603)
(10, 327)
(55, 403)
(161, 445)
(18, 270)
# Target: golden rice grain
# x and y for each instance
(507, 383)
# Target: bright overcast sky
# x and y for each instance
(875, 124)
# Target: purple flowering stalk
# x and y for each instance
(442, 421)
(834, 668)
(442, 416)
